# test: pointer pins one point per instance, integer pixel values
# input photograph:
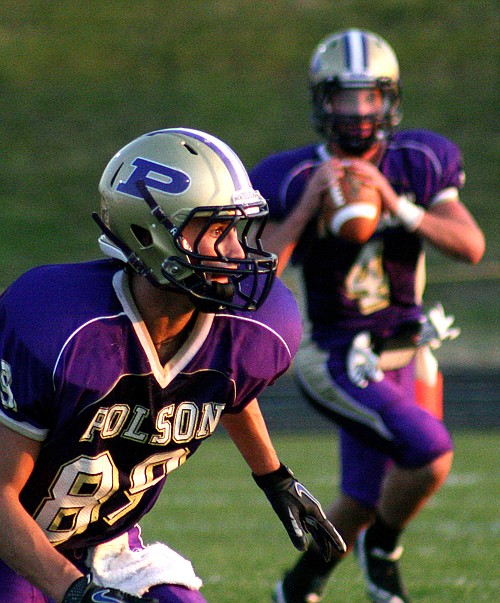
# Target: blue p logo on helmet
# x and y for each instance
(172, 181)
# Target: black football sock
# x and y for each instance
(310, 566)
(380, 535)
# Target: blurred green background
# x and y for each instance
(78, 80)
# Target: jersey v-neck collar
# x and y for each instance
(163, 374)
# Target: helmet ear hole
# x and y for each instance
(142, 235)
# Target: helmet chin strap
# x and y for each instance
(355, 147)
(352, 144)
(206, 296)
(212, 293)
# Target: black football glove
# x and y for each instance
(83, 590)
(299, 512)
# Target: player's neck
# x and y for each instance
(168, 316)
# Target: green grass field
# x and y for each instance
(212, 512)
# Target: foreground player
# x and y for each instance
(394, 454)
(113, 372)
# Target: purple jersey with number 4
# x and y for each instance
(377, 285)
(80, 374)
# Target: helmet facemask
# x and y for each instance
(248, 279)
(355, 133)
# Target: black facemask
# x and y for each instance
(346, 132)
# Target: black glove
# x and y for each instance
(83, 590)
(299, 512)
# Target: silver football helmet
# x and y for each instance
(153, 187)
(354, 59)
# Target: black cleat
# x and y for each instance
(287, 592)
(381, 572)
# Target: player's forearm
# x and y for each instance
(24, 548)
(248, 431)
(462, 240)
(282, 237)
(448, 226)
(280, 241)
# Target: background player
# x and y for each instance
(113, 372)
(394, 454)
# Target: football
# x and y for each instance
(351, 209)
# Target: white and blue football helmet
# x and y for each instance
(354, 59)
(154, 186)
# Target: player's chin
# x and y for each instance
(360, 133)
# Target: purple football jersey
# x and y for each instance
(80, 374)
(377, 285)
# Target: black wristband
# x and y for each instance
(273, 479)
